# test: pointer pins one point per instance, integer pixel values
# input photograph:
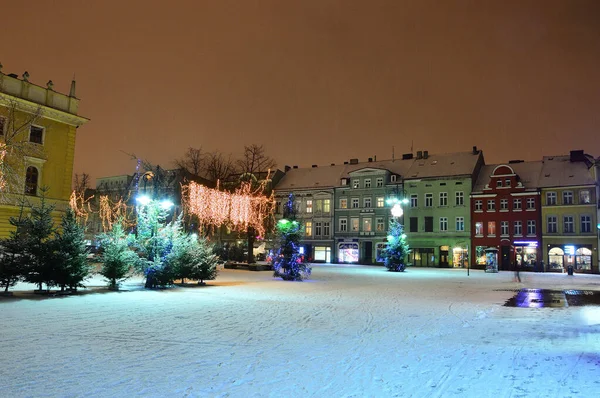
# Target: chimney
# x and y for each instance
(314, 165)
(287, 168)
(295, 166)
(353, 161)
(345, 162)
(577, 156)
(475, 151)
(419, 155)
(425, 154)
(333, 164)
(72, 91)
(370, 160)
(406, 156)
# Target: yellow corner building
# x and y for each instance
(38, 128)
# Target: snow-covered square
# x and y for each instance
(348, 331)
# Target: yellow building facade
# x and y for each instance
(569, 213)
(38, 128)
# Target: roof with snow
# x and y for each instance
(528, 173)
(558, 171)
(444, 165)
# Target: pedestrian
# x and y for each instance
(517, 269)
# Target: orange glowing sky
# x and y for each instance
(315, 81)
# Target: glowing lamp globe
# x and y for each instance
(143, 200)
(397, 210)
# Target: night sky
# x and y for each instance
(315, 81)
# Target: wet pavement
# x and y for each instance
(540, 298)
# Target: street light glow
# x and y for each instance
(166, 204)
(143, 200)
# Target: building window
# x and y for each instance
(518, 228)
(309, 206)
(507, 182)
(308, 228)
(498, 182)
(355, 224)
(393, 178)
(368, 183)
(530, 227)
(367, 202)
(367, 224)
(491, 205)
(326, 228)
(479, 228)
(36, 134)
(491, 228)
(380, 202)
(567, 197)
(584, 197)
(443, 199)
(568, 227)
(428, 200)
(318, 229)
(530, 203)
(586, 224)
(443, 223)
(379, 182)
(31, 181)
(459, 198)
(2, 125)
(278, 207)
(355, 184)
(504, 228)
(550, 198)
(355, 203)
(343, 203)
(414, 224)
(552, 224)
(414, 200)
(478, 205)
(428, 224)
(503, 204)
(344, 181)
(517, 204)
(326, 205)
(380, 224)
(318, 205)
(343, 225)
(460, 223)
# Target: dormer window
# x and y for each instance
(507, 182)
(393, 178)
(498, 183)
(344, 181)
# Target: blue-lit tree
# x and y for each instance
(397, 248)
(287, 262)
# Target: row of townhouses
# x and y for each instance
(458, 211)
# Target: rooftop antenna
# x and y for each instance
(393, 153)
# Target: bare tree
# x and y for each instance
(193, 161)
(18, 141)
(254, 160)
(219, 166)
(81, 183)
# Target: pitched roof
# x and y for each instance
(559, 171)
(396, 166)
(528, 173)
(444, 165)
(311, 178)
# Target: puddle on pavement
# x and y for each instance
(541, 298)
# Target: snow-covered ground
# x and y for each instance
(349, 331)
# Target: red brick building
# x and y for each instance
(506, 216)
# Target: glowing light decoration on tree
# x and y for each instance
(2, 156)
(238, 210)
(81, 208)
(109, 212)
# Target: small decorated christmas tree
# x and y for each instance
(288, 263)
(397, 248)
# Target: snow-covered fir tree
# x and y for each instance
(288, 263)
(118, 258)
(70, 254)
(397, 248)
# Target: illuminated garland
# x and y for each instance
(2, 156)
(238, 210)
(81, 208)
(110, 213)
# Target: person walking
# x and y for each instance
(517, 269)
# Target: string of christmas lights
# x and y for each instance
(245, 207)
(81, 207)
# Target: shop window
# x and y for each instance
(526, 256)
(379, 248)
(460, 257)
(555, 259)
(583, 259)
(348, 252)
(480, 258)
